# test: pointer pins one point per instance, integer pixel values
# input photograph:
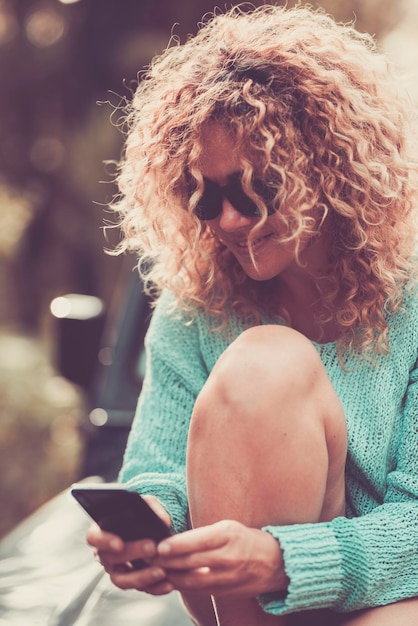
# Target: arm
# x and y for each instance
(154, 460)
(371, 560)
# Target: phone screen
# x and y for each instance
(120, 511)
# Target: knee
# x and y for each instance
(264, 359)
(264, 367)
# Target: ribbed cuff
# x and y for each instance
(313, 564)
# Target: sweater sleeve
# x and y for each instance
(367, 561)
(154, 460)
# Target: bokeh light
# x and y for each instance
(45, 27)
(9, 25)
(15, 215)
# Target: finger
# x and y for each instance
(210, 581)
(160, 589)
(102, 540)
(193, 561)
(152, 579)
(143, 550)
(196, 540)
(193, 580)
(204, 580)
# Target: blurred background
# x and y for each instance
(64, 67)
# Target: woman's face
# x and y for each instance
(219, 161)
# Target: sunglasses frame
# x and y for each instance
(210, 204)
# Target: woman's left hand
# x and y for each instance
(223, 558)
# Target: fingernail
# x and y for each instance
(158, 574)
(115, 545)
(164, 548)
(149, 549)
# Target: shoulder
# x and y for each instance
(169, 323)
(186, 331)
(169, 316)
(403, 324)
(409, 309)
(191, 333)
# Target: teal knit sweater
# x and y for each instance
(369, 557)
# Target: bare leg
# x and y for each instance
(398, 614)
(201, 609)
(267, 445)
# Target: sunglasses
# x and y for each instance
(209, 205)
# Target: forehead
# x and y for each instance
(220, 157)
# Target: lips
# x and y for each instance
(257, 243)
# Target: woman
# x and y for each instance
(268, 187)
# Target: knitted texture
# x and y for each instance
(369, 557)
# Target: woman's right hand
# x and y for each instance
(116, 555)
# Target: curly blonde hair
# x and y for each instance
(310, 103)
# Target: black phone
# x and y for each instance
(122, 512)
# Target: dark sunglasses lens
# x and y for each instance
(209, 205)
(244, 204)
(239, 200)
(268, 194)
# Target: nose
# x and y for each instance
(230, 219)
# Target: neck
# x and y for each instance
(308, 277)
(302, 291)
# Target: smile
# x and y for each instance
(255, 244)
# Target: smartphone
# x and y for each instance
(122, 512)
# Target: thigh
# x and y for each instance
(403, 613)
(200, 608)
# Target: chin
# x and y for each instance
(260, 274)
(267, 266)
